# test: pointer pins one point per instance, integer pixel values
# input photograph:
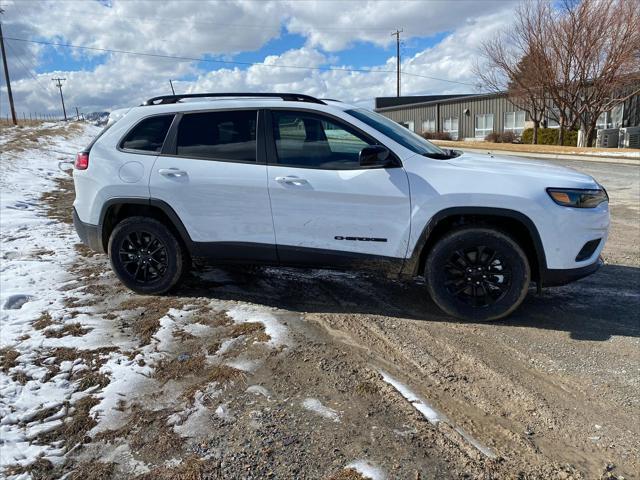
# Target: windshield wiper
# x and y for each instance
(448, 154)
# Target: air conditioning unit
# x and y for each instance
(629, 137)
(607, 138)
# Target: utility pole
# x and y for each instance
(397, 35)
(77, 114)
(6, 76)
(59, 85)
(171, 83)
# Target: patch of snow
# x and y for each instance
(432, 414)
(423, 407)
(277, 332)
(258, 390)
(197, 329)
(368, 470)
(316, 406)
(244, 364)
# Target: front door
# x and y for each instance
(216, 183)
(327, 210)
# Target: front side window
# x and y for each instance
(225, 135)
(395, 132)
(314, 141)
(514, 122)
(450, 126)
(484, 125)
(148, 135)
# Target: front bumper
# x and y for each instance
(558, 277)
(89, 234)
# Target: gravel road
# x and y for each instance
(257, 373)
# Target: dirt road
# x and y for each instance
(277, 373)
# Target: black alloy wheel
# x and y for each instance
(143, 256)
(477, 274)
(146, 255)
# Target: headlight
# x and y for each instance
(577, 197)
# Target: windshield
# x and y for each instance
(397, 132)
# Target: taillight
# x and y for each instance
(82, 161)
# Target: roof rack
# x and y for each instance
(291, 97)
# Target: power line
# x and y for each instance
(27, 70)
(230, 62)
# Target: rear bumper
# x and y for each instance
(556, 278)
(89, 234)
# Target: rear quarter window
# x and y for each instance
(148, 135)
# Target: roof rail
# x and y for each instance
(291, 97)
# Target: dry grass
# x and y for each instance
(251, 329)
(223, 375)
(152, 309)
(213, 319)
(41, 469)
(177, 367)
(347, 474)
(89, 379)
(74, 430)
(70, 329)
(20, 377)
(148, 435)
(60, 200)
(528, 148)
(21, 138)
(93, 470)
(43, 321)
(367, 388)
(8, 358)
(191, 468)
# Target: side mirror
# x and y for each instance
(374, 156)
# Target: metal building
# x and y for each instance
(474, 116)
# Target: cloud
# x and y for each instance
(199, 29)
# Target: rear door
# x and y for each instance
(212, 172)
(327, 210)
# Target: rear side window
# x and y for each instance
(229, 135)
(148, 135)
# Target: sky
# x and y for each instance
(338, 49)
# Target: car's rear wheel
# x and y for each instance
(145, 255)
(477, 274)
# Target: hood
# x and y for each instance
(552, 174)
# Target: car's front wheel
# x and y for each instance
(477, 274)
(145, 255)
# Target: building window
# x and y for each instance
(612, 118)
(484, 124)
(429, 125)
(514, 122)
(409, 124)
(450, 126)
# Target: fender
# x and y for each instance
(413, 262)
(150, 202)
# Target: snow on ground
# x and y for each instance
(314, 405)
(34, 251)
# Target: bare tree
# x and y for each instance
(608, 50)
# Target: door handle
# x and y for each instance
(172, 172)
(291, 180)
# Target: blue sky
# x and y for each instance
(439, 41)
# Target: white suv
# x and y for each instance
(289, 179)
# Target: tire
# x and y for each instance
(146, 256)
(477, 274)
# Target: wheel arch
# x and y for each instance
(117, 209)
(519, 226)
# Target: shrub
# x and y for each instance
(508, 137)
(493, 137)
(549, 136)
(436, 135)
